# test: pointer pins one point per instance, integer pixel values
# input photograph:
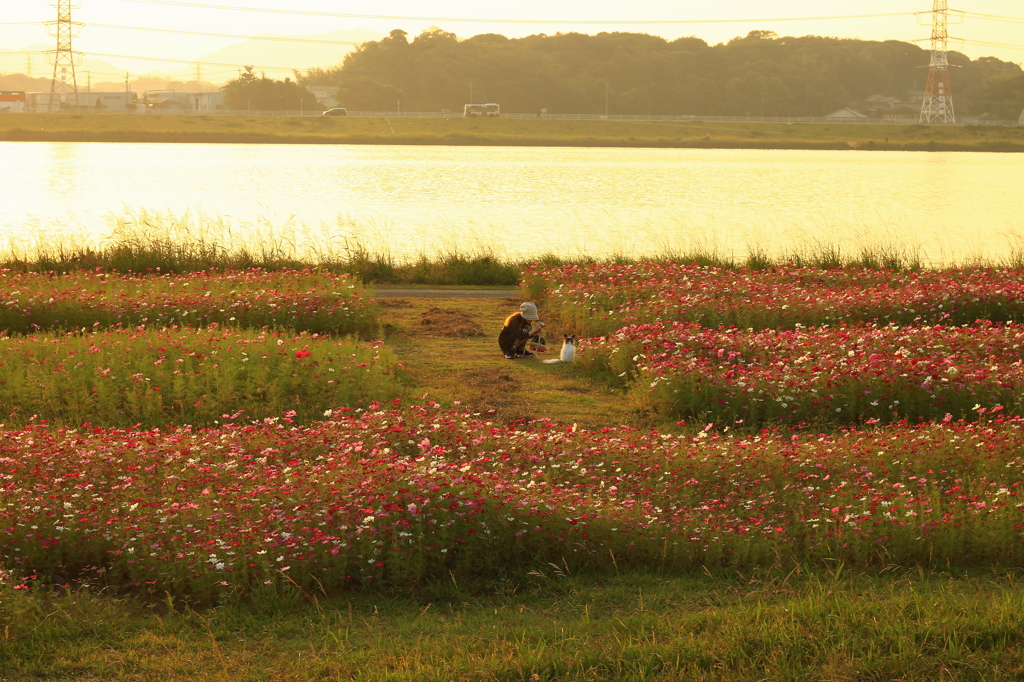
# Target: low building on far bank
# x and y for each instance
(208, 101)
(326, 95)
(107, 101)
(905, 109)
(37, 102)
(845, 114)
(12, 102)
(170, 101)
(981, 120)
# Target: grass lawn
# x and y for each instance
(527, 132)
(779, 625)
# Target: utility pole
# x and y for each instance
(29, 74)
(606, 98)
(470, 92)
(199, 73)
(64, 85)
(937, 106)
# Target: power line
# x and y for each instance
(225, 35)
(268, 10)
(190, 61)
(978, 43)
(198, 33)
(985, 43)
(994, 17)
(233, 67)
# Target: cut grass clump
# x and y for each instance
(444, 268)
(450, 323)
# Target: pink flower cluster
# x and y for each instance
(597, 299)
(392, 495)
(299, 300)
(842, 374)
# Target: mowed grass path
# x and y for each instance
(449, 348)
(525, 132)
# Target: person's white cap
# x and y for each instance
(529, 311)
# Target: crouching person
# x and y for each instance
(518, 330)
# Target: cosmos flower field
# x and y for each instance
(793, 346)
(835, 429)
(301, 301)
(597, 299)
(393, 495)
(848, 375)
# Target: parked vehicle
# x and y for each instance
(482, 111)
(336, 111)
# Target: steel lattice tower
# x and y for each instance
(937, 106)
(64, 86)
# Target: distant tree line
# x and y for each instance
(250, 91)
(760, 74)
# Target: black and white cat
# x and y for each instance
(568, 353)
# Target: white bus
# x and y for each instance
(482, 111)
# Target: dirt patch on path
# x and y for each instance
(472, 372)
(451, 323)
(443, 292)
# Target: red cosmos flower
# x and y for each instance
(302, 353)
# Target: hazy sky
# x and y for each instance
(443, 12)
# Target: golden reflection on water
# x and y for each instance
(521, 202)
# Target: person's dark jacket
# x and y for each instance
(514, 334)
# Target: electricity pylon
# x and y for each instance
(64, 86)
(937, 106)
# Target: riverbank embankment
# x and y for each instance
(201, 128)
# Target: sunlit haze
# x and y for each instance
(122, 48)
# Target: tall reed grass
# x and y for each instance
(142, 241)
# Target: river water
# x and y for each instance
(520, 202)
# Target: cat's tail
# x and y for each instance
(552, 361)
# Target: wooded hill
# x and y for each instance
(760, 74)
